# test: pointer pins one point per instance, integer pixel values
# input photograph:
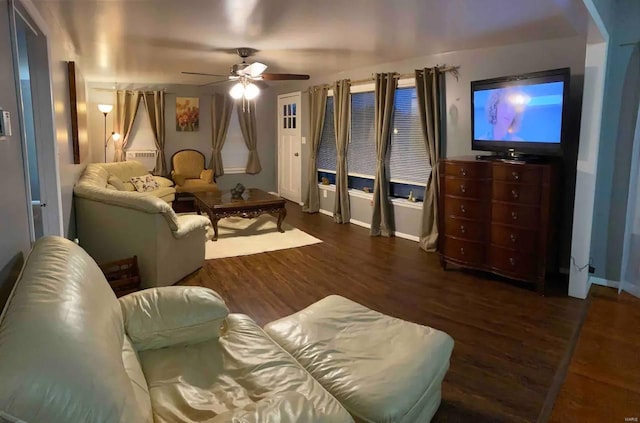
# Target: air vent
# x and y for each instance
(146, 157)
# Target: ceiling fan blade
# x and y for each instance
(203, 74)
(214, 83)
(283, 76)
(254, 69)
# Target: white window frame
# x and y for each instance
(370, 87)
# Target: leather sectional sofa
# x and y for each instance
(72, 352)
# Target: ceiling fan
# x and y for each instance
(247, 74)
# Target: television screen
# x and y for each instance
(520, 113)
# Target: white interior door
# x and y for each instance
(289, 147)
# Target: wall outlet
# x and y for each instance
(324, 193)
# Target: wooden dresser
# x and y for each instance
(498, 217)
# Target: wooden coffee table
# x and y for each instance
(254, 202)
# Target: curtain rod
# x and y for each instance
(444, 69)
(130, 91)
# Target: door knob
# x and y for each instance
(296, 154)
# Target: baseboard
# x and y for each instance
(631, 289)
(360, 223)
(368, 226)
(604, 282)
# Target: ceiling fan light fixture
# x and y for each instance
(237, 91)
(251, 91)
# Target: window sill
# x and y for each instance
(234, 171)
(400, 202)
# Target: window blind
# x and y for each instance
(409, 160)
(235, 153)
(327, 150)
(361, 155)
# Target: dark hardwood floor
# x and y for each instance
(509, 341)
(603, 379)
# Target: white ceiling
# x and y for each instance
(151, 41)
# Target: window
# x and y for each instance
(235, 153)
(361, 155)
(327, 150)
(409, 167)
(409, 161)
(141, 136)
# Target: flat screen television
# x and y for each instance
(520, 114)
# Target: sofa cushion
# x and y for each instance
(173, 315)
(116, 182)
(61, 342)
(163, 182)
(125, 170)
(379, 367)
(145, 183)
(198, 382)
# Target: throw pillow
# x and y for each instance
(116, 182)
(145, 183)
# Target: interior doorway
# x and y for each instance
(289, 147)
(39, 150)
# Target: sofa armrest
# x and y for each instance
(190, 223)
(173, 315)
(286, 407)
(207, 175)
(178, 178)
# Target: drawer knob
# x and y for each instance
(463, 209)
(463, 189)
(463, 171)
(513, 237)
(462, 251)
(514, 215)
(515, 194)
(515, 175)
(512, 261)
(463, 229)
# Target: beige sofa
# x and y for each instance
(114, 224)
(72, 352)
(119, 176)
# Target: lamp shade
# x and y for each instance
(251, 91)
(237, 91)
(105, 108)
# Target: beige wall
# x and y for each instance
(474, 65)
(200, 140)
(61, 50)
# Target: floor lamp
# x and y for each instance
(106, 109)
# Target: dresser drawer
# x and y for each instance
(516, 193)
(516, 173)
(519, 239)
(511, 214)
(465, 251)
(461, 228)
(462, 187)
(512, 263)
(470, 170)
(461, 207)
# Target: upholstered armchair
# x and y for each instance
(189, 172)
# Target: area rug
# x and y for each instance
(243, 237)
